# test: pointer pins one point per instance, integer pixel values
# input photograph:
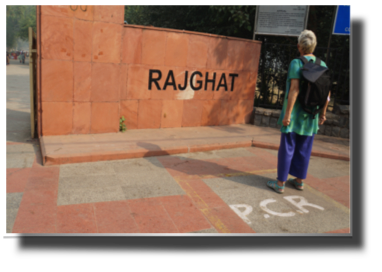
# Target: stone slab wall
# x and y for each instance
(95, 69)
(336, 124)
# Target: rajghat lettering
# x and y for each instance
(156, 75)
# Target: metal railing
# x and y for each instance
(273, 69)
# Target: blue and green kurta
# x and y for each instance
(300, 121)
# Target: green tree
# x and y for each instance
(26, 21)
(13, 13)
(18, 20)
(236, 21)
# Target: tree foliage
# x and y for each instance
(236, 21)
(19, 19)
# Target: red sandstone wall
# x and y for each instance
(95, 70)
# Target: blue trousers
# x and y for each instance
(294, 155)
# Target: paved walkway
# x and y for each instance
(154, 142)
(215, 184)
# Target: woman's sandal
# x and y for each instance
(273, 184)
(297, 185)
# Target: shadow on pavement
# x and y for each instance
(231, 129)
(18, 126)
(180, 165)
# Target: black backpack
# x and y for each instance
(314, 86)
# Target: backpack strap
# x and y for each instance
(318, 61)
(315, 112)
(304, 60)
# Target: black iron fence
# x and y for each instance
(273, 69)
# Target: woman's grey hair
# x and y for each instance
(307, 41)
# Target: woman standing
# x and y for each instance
(22, 57)
(298, 128)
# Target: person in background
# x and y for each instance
(22, 57)
(298, 129)
(7, 58)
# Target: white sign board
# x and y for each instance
(281, 20)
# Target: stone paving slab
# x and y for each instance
(90, 195)
(216, 154)
(13, 203)
(65, 149)
(328, 168)
(171, 194)
(114, 181)
(148, 191)
(266, 212)
(86, 169)
(21, 155)
(16, 161)
(206, 231)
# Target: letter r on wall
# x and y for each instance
(155, 80)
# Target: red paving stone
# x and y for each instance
(37, 212)
(151, 216)
(202, 195)
(200, 209)
(244, 164)
(232, 223)
(17, 179)
(340, 183)
(264, 155)
(198, 167)
(347, 230)
(209, 147)
(205, 199)
(234, 163)
(43, 178)
(114, 217)
(38, 206)
(35, 219)
(76, 219)
(39, 198)
(173, 166)
(340, 197)
(330, 155)
(319, 184)
(312, 181)
(184, 168)
(337, 188)
(184, 214)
